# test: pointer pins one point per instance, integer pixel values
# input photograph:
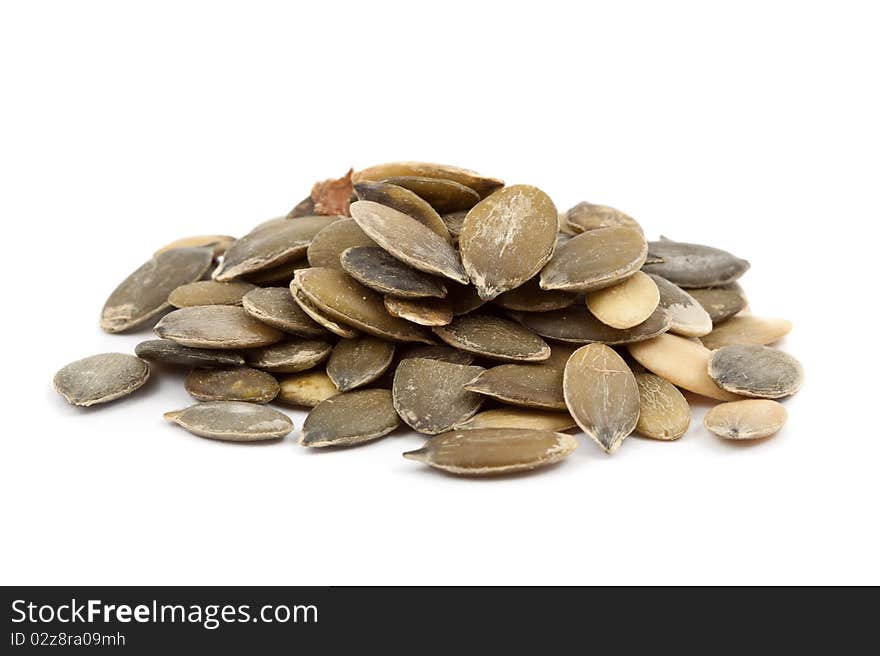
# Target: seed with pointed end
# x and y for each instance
(429, 395)
(443, 195)
(747, 329)
(235, 384)
(373, 267)
(275, 307)
(307, 388)
(405, 201)
(488, 451)
(694, 265)
(601, 394)
(493, 337)
(687, 316)
(101, 378)
(528, 385)
(168, 352)
(664, 413)
(439, 352)
(423, 311)
(529, 297)
(626, 304)
(319, 317)
(216, 326)
(756, 371)
(144, 294)
(507, 238)
(232, 421)
(329, 244)
(350, 418)
(209, 292)
(483, 185)
(357, 362)
(595, 259)
(587, 216)
(752, 419)
(519, 418)
(218, 244)
(289, 357)
(721, 302)
(577, 325)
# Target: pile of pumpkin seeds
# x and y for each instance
(473, 312)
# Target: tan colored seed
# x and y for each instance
(232, 421)
(235, 384)
(405, 201)
(626, 304)
(721, 302)
(528, 385)
(747, 329)
(216, 326)
(577, 325)
(209, 292)
(481, 184)
(329, 244)
(423, 311)
(319, 317)
(275, 307)
(664, 413)
(429, 395)
(350, 418)
(595, 259)
(218, 243)
(445, 196)
(751, 419)
(307, 388)
(101, 378)
(686, 316)
(357, 362)
(289, 357)
(587, 216)
(493, 337)
(519, 418)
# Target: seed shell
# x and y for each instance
(747, 329)
(429, 395)
(529, 297)
(751, 419)
(357, 362)
(443, 195)
(289, 357)
(373, 267)
(329, 244)
(694, 265)
(350, 418)
(626, 304)
(319, 317)
(481, 184)
(209, 292)
(306, 388)
(687, 316)
(527, 385)
(587, 216)
(216, 326)
(405, 201)
(232, 421)
(454, 222)
(464, 299)
(721, 302)
(275, 307)
(492, 337)
(235, 384)
(101, 378)
(277, 276)
(218, 244)
(169, 352)
(423, 311)
(439, 352)
(664, 413)
(519, 418)
(577, 325)
(595, 259)
(756, 371)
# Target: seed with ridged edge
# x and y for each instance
(306, 388)
(587, 216)
(751, 419)
(329, 244)
(101, 378)
(235, 384)
(626, 304)
(664, 413)
(577, 325)
(375, 268)
(756, 371)
(686, 316)
(519, 418)
(423, 311)
(429, 395)
(404, 200)
(218, 243)
(216, 326)
(289, 357)
(169, 352)
(357, 362)
(495, 338)
(595, 259)
(747, 329)
(232, 421)
(275, 307)
(528, 385)
(443, 195)
(209, 292)
(488, 451)
(482, 184)
(350, 418)
(721, 302)
(693, 265)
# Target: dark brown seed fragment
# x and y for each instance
(101, 378)
(577, 326)
(493, 337)
(357, 362)
(289, 357)
(275, 307)
(375, 268)
(464, 298)
(169, 352)
(235, 384)
(350, 418)
(216, 326)
(429, 395)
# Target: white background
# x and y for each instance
(750, 126)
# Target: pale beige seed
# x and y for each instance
(530, 386)
(319, 317)
(751, 419)
(143, 295)
(519, 418)
(289, 357)
(423, 311)
(350, 418)
(375, 268)
(329, 244)
(357, 362)
(577, 325)
(101, 378)
(280, 275)
(682, 362)
(483, 185)
(216, 326)
(489, 451)
(307, 388)
(234, 384)
(218, 244)
(405, 201)
(602, 395)
(439, 352)
(342, 299)
(664, 413)
(168, 352)
(721, 302)
(209, 292)
(275, 307)
(595, 259)
(464, 298)
(687, 316)
(756, 371)
(492, 337)
(693, 265)
(529, 297)
(587, 216)
(232, 421)
(626, 304)
(445, 196)
(429, 395)
(408, 240)
(747, 329)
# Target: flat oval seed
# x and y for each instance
(216, 326)
(350, 418)
(752, 419)
(209, 292)
(493, 337)
(275, 307)
(577, 325)
(507, 238)
(357, 362)
(373, 267)
(346, 332)
(289, 357)
(232, 421)
(443, 195)
(218, 244)
(682, 362)
(747, 330)
(168, 352)
(686, 316)
(595, 259)
(587, 216)
(278, 276)
(307, 388)
(423, 311)
(481, 184)
(101, 378)
(531, 386)
(464, 299)
(519, 418)
(756, 371)
(602, 395)
(405, 201)
(529, 297)
(329, 244)
(345, 300)
(429, 395)
(626, 304)
(144, 294)
(664, 413)
(489, 451)
(694, 265)
(439, 352)
(721, 302)
(236, 384)
(270, 245)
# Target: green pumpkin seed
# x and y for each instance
(289, 357)
(752, 419)
(664, 413)
(346, 332)
(101, 378)
(275, 307)
(306, 388)
(519, 418)
(373, 267)
(423, 311)
(527, 385)
(429, 395)
(721, 302)
(439, 352)
(328, 245)
(235, 384)
(405, 201)
(216, 326)
(209, 292)
(168, 352)
(219, 244)
(529, 297)
(577, 325)
(443, 195)
(350, 418)
(756, 371)
(357, 362)
(232, 421)
(687, 317)
(493, 337)
(587, 216)
(481, 184)
(694, 265)
(626, 304)
(595, 259)
(746, 329)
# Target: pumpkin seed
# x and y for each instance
(746, 329)
(481, 184)
(488, 451)
(507, 238)
(757, 371)
(694, 265)
(529, 297)
(289, 357)
(306, 207)
(344, 300)
(687, 316)
(578, 326)
(144, 294)
(408, 240)
(373, 267)
(306, 388)
(626, 304)
(454, 222)
(423, 311)
(464, 299)
(232, 421)
(275, 307)
(721, 302)
(168, 352)
(236, 384)
(752, 419)
(528, 385)
(280, 275)
(101, 378)
(664, 413)
(346, 332)
(601, 394)
(439, 352)
(587, 216)
(328, 245)
(350, 418)
(595, 259)
(357, 362)
(493, 337)
(216, 326)
(267, 247)
(429, 395)
(519, 418)
(218, 244)
(209, 292)
(682, 362)
(445, 196)
(405, 201)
